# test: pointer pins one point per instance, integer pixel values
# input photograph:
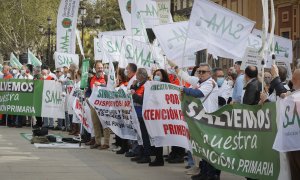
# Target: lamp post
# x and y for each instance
(82, 14)
(49, 20)
(97, 20)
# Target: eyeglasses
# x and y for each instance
(201, 72)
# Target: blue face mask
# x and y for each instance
(220, 81)
(156, 78)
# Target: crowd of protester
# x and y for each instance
(214, 87)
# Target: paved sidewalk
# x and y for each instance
(19, 160)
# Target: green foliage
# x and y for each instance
(19, 21)
(178, 18)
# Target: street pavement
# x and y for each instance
(20, 160)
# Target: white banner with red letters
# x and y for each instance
(83, 113)
(115, 111)
(163, 116)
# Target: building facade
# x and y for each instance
(287, 14)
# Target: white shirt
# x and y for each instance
(225, 91)
(210, 90)
(130, 82)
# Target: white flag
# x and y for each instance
(173, 40)
(140, 53)
(97, 49)
(111, 47)
(219, 27)
(33, 60)
(66, 26)
(283, 47)
(111, 79)
(125, 8)
(14, 61)
(64, 59)
(79, 43)
(146, 11)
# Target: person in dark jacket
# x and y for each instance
(253, 86)
(137, 91)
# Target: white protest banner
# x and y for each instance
(288, 122)
(97, 49)
(125, 8)
(52, 102)
(83, 115)
(163, 11)
(115, 111)
(65, 59)
(75, 92)
(14, 61)
(254, 42)
(111, 47)
(66, 26)
(163, 116)
(33, 60)
(220, 27)
(175, 44)
(139, 53)
(251, 58)
(283, 47)
(146, 12)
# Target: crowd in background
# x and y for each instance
(214, 87)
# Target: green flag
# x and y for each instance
(84, 73)
(33, 60)
(14, 61)
(236, 138)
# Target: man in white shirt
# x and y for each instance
(206, 88)
(224, 89)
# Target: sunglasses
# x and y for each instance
(201, 72)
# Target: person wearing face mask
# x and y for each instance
(16, 73)
(225, 90)
(106, 69)
(161, 76)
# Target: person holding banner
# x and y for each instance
(207, 90)
(285, 142)
(161, 76)
(122, 81)
(137, 91)
(98, 80)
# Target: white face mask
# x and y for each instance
(126, 72)
(15, 71)
(44, 77)
(23, 71)
(106, 71)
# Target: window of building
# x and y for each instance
(285, 34)
(181, 4)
